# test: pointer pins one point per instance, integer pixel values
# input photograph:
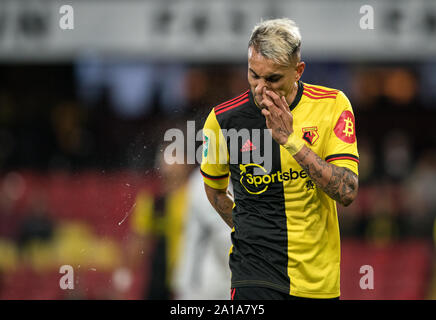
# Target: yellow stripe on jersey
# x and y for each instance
(312, 223)
(313, 237)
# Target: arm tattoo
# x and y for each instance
(223, 205)
(222, 201)
(339, 183)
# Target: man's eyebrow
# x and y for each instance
(253, 71)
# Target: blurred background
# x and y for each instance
(88, 91)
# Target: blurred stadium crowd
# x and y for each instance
(79, 157)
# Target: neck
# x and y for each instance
(291, 96)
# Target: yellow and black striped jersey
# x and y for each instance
(286, 231)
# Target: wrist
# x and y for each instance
(294, 144)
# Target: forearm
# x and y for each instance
(340, 183)
(222, 202)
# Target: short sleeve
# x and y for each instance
(215, 157)
(341, 148)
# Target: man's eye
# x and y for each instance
(255, 76)
(273, 79)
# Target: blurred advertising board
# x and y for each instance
(213, 30)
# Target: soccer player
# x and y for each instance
(285, 231)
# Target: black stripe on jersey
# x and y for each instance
(259, 256)
(260, 240)
(340, 156)
(213, 177)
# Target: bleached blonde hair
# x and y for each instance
(278, 40)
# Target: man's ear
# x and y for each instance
(300, 69)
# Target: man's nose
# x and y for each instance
(259, 87)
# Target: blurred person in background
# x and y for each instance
(420, 194)
(37, 224)
(285, 233)
(397, 155)
(157, 224)
(73, 142)
(203, 272)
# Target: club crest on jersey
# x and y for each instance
(310, 134)
(345, 127)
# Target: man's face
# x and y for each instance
(265, 73)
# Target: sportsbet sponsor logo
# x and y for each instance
(256, 184)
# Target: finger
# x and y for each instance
(266, 101)
(285, 103)
(267, 116)
(278, 112)
(288, 119)
(270, 106)
(287, 111)
(258, 90)
(271, 102)
(275, 98)
(280, 103)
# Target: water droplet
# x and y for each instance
(127, 214)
